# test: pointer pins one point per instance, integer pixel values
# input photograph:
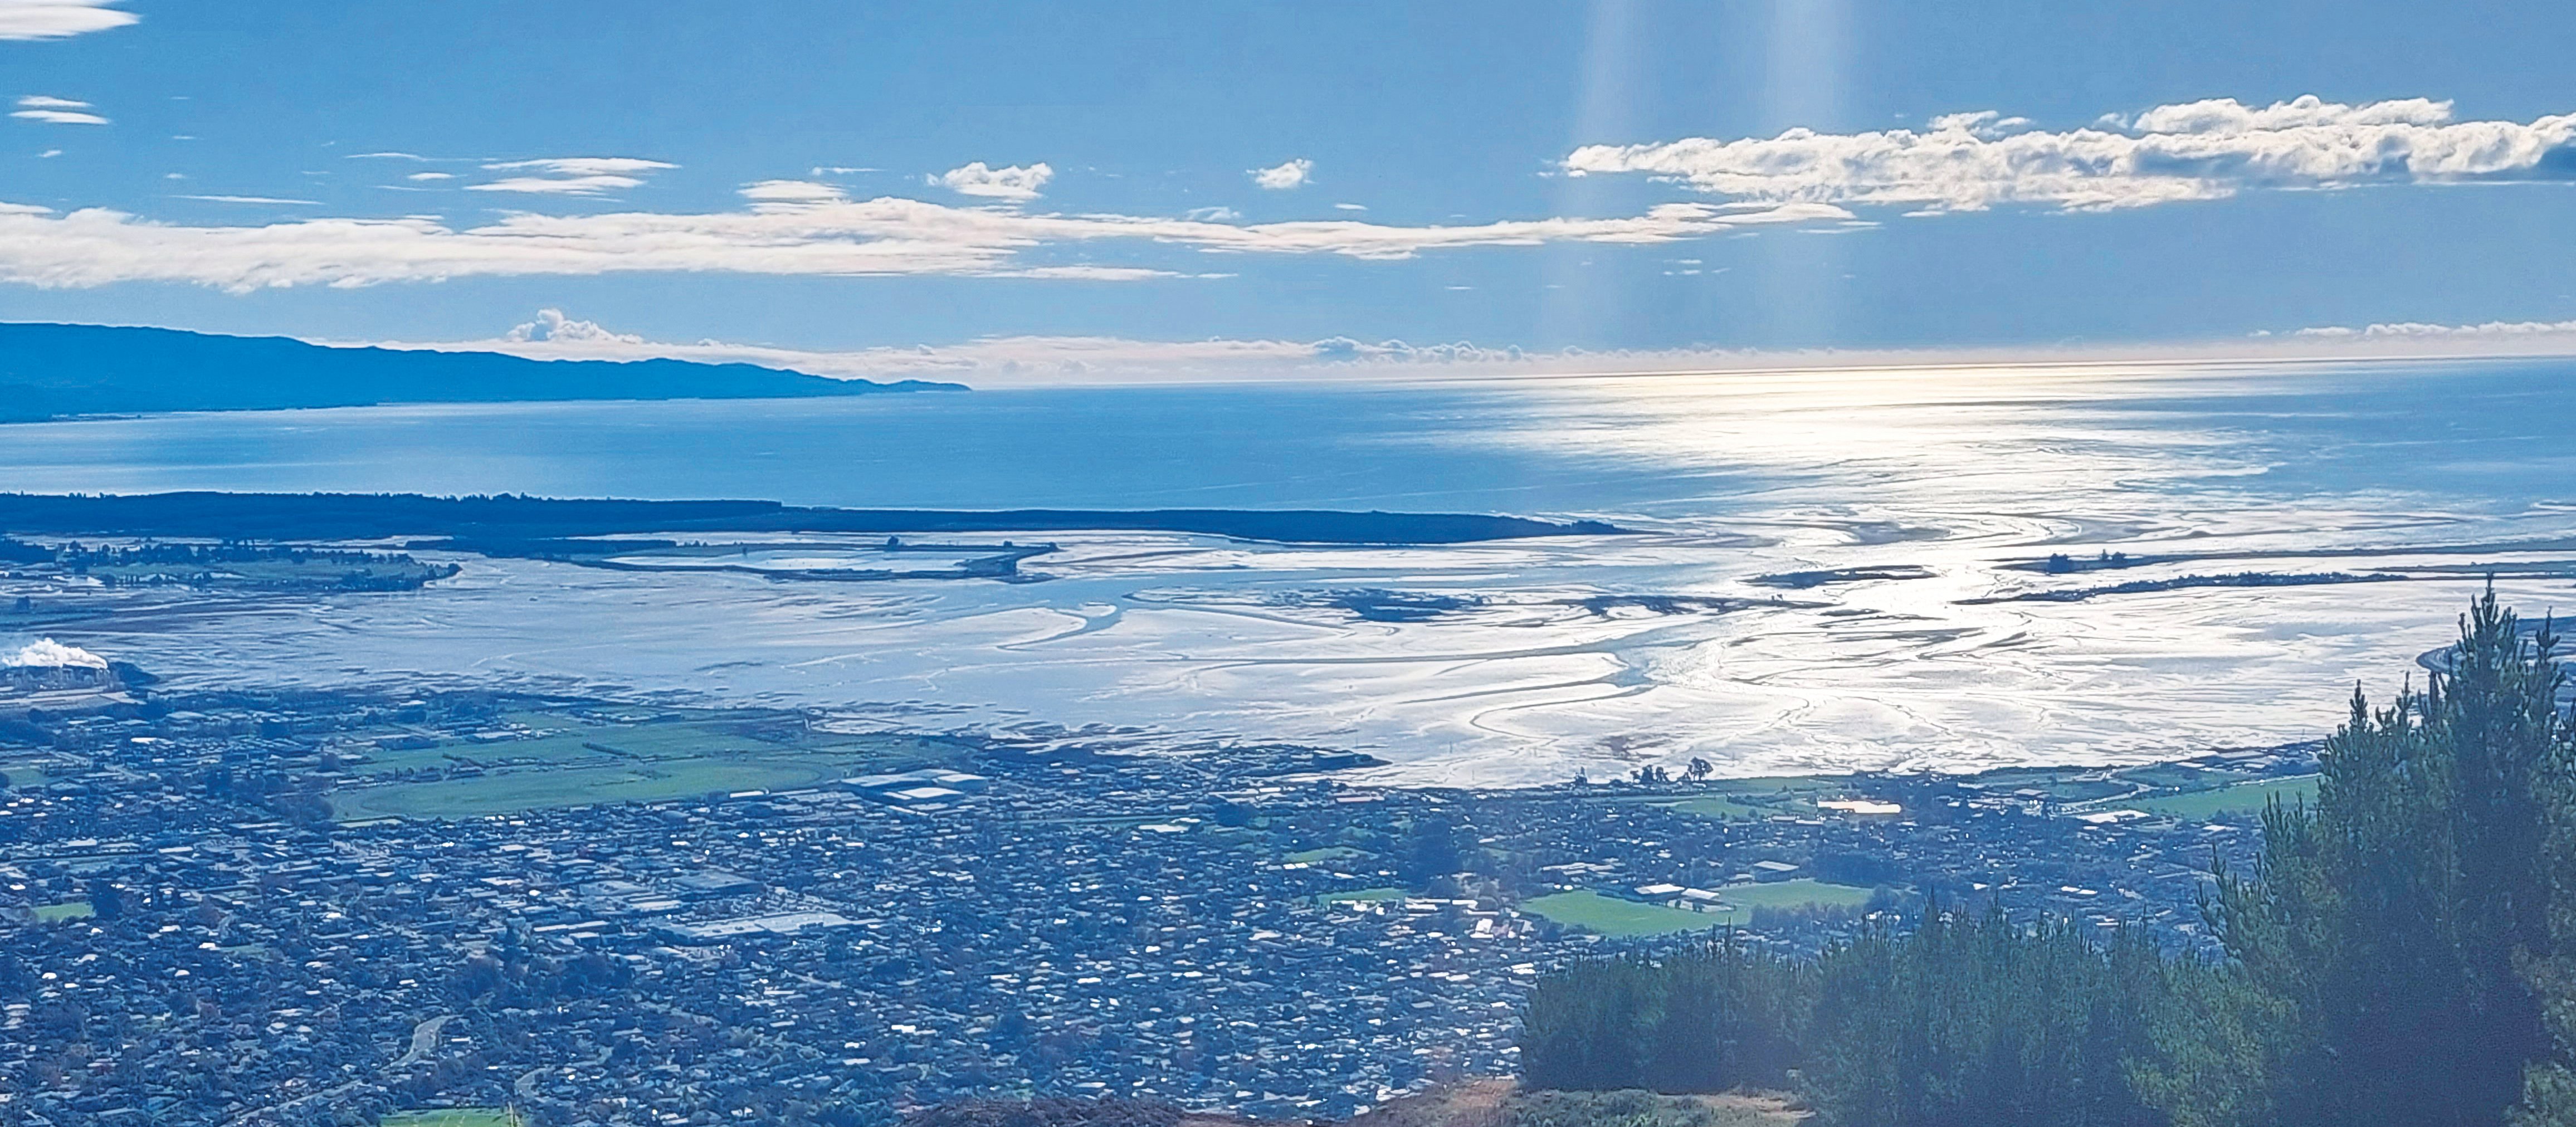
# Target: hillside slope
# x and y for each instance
(50, 371)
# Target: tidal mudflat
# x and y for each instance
(1930, 569)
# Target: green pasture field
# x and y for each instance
(67, 910)
(2244, 797)
(1618, 918)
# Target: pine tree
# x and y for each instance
(2549, 1086)
(2381, 951)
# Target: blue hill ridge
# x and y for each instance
(52, 371)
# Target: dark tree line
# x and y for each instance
(2402, 955)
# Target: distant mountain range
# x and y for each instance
(50, 371)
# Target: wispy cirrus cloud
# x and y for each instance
(57, 111)
(252, 200)
(2188, 151)
(789, 227)
(58, 19)
(60, 117)
(570, 176)
(1284, 176)
(1012, 183)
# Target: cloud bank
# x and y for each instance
(2419, 331)
(1028, 361)
(996, 361)
(58, 19)
(2190, 151)
(788, 228)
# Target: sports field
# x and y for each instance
(1612, 916)
(1618, 918)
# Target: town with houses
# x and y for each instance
(330, 907)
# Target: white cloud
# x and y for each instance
(1012, 183)
(2192, 151)
(431, 176)
(58, 19)
(552, 327)
(570, 176)
(793, 191)
(557, 185)
(1282, 177)
(60, 117)
(790, 228)
(1351, 206)
(57, 111)
(585, 166)
(251, 199)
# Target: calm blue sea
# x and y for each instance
(2491, 436)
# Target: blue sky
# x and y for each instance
(805, 175)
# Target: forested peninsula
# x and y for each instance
(508, 525)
